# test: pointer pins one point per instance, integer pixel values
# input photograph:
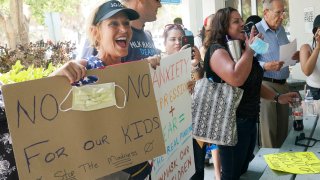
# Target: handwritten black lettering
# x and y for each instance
(90, 144)
(138, 129)
(148, 128)
(28, 158)
(52, 156)
(125, 134)
(65, 175)
(123, 159)
(89, 166)
(49, 157)
(139, 85)
(146, 80)
(155, 120)
(19, 107)
(30, 110)
(56, 107)
(148, 147)
(134, 87)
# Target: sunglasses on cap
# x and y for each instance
(171, 26)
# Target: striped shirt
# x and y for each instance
(275, 39)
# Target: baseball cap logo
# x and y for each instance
(116, 5)
(110, 8)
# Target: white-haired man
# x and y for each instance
(274, 117)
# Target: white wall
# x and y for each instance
(192, 19)
(197, 10)
(297, 26)
(297, 22)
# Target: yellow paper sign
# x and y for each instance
(294, 162)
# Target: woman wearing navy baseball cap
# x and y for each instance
(109, 32)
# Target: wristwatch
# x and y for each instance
(276, 98)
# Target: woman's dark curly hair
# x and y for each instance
(219, 27)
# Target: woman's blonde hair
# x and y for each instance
(93, 30)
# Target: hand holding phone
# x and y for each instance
(247, 28)
(187, 40)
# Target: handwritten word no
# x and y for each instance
(48, 105)
(140, 85)
(45, 102)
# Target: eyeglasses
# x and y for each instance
(279, 13)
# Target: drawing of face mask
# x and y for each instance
(93, 97)
(259, 46)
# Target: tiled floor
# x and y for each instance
(209, 170)
(209, 173)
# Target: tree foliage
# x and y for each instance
(15, 23)
(39, 7)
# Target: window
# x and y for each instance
(232, 3)
(246, 9)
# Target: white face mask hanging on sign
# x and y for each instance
(93, 97)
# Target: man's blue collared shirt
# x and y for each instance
(275, 39)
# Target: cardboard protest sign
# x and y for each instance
(294, 162)
(51, 144)
(174, 105)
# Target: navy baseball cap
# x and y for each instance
(110, 8)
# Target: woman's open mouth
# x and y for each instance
(122, 42)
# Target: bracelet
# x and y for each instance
(276, 98)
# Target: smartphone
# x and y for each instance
(247, 28)
(187, 40)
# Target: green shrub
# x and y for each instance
(19, 73)
(38, 54)
(33, 61)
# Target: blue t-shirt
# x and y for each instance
(141, 46)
